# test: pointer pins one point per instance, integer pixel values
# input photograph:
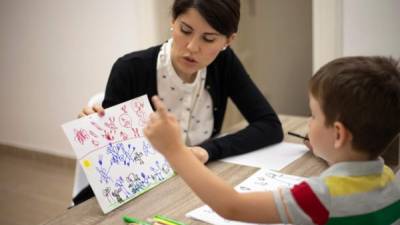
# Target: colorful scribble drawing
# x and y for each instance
(124, 109)
(138, 157)
(96, 125)
(125, 120)
(133, 182)
(136, 133)
(163, 167)
(81, 135)
(108, 135)
(104, 173)
(124, 136)
(111, 124)
(140, 113)
(119, 162)
(119, 184)
(119, 154)
(147, 149)
(107, 193)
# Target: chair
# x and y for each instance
(80, 180)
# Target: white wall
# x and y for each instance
(371, 27)
(327, 31)
(355, 27)
(55, 54)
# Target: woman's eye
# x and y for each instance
(185, 30)
(207, 39)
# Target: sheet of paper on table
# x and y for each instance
(273, 157)
(262, 180)
(118, 160)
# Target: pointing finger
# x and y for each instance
(160, 107)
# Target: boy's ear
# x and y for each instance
(342, 135)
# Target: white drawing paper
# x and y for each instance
(117, 159)
(274, 157)
(262, 180)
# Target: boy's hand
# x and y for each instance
(163, 130)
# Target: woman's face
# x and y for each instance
(196, 44)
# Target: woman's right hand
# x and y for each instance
(200, 153)
(96, 108)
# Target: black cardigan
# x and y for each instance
(135, 74)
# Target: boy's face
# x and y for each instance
(321, 137)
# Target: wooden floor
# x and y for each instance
(33, 188)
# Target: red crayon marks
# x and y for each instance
(123, 108)
(136, 133)
(95, 143)
(112, 129)
(96, 125)
(81, 136)
(138, 108)
(108, 135)
(124, 136)
(125, 120)
(111, 124)
(93, 133)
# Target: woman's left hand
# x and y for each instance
(200, 153)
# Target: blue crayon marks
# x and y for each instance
(147, 149)
(129, 168)
(104, 173)
(120, 154)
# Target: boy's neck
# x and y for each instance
(350, 155)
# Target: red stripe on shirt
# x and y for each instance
(309, 202)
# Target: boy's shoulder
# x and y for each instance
(346, 190)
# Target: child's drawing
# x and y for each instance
(119, 162)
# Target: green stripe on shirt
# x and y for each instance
(385, 216)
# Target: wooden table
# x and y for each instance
(174, 199)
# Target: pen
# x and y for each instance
(166, 220)
(132, 220)
(299, 136)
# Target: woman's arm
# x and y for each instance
(264, 126)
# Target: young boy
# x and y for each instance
(355, 107)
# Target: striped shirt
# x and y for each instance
(353, 193)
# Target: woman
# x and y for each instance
(194, 73)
